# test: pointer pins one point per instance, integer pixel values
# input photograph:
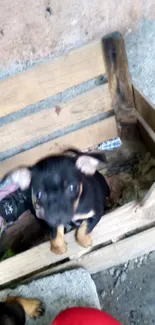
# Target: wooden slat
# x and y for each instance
(22, 234)
(144, 108)
(109, 256)
(147, 126)
(48, 121)
(120, 85)
(84, 138)
(50, 78)
(120, 252)
(148, 140)
(112, 227)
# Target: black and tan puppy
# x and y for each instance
(66, 188)
(13, 311)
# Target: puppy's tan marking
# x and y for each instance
(58, 245)
(85, 216)
(34, 200)
(76, 203)
(82, 237)
(39, 210)
(32, 307)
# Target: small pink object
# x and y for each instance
(10, 188)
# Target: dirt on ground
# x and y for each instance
(129, 179)
(127, 292)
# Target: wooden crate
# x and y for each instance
(115, 108)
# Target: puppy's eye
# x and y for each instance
(38, 195)
(73, 188)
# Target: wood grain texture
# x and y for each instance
(147, 128)
(109, 256)
(120, 252)
(48, 121)
(144, 108)
(20, 236)
(147, 120)
(119, 85)
(50, 78)
(83, 138)
(113, 227)
(148, 140)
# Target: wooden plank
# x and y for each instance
(50, 78)
(48, 121)
(86, 137)
(112, 227)
(148, 140)
(109, 256)
(147, 127)
(144, 108)
(120, 252)
(120, 86)
(23, 234)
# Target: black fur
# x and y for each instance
(76, 153)
(95, 192)
(52, 181)
(52, 177)
(11, 314)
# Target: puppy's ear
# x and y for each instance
(87, 165)
(20, 177)
(86, 162)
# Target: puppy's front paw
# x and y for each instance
(59, 250)
(35, 308)
(32, 307)
(82, 237)
(85, 241)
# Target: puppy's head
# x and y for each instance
(57, 184)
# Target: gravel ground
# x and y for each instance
(128, 291)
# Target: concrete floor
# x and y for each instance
(128, 291)
(33, 30)
(141, 56)
(57, 293)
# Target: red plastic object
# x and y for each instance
(84, 316)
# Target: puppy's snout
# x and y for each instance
(54, 223)
(58, 213)
(54, 200)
